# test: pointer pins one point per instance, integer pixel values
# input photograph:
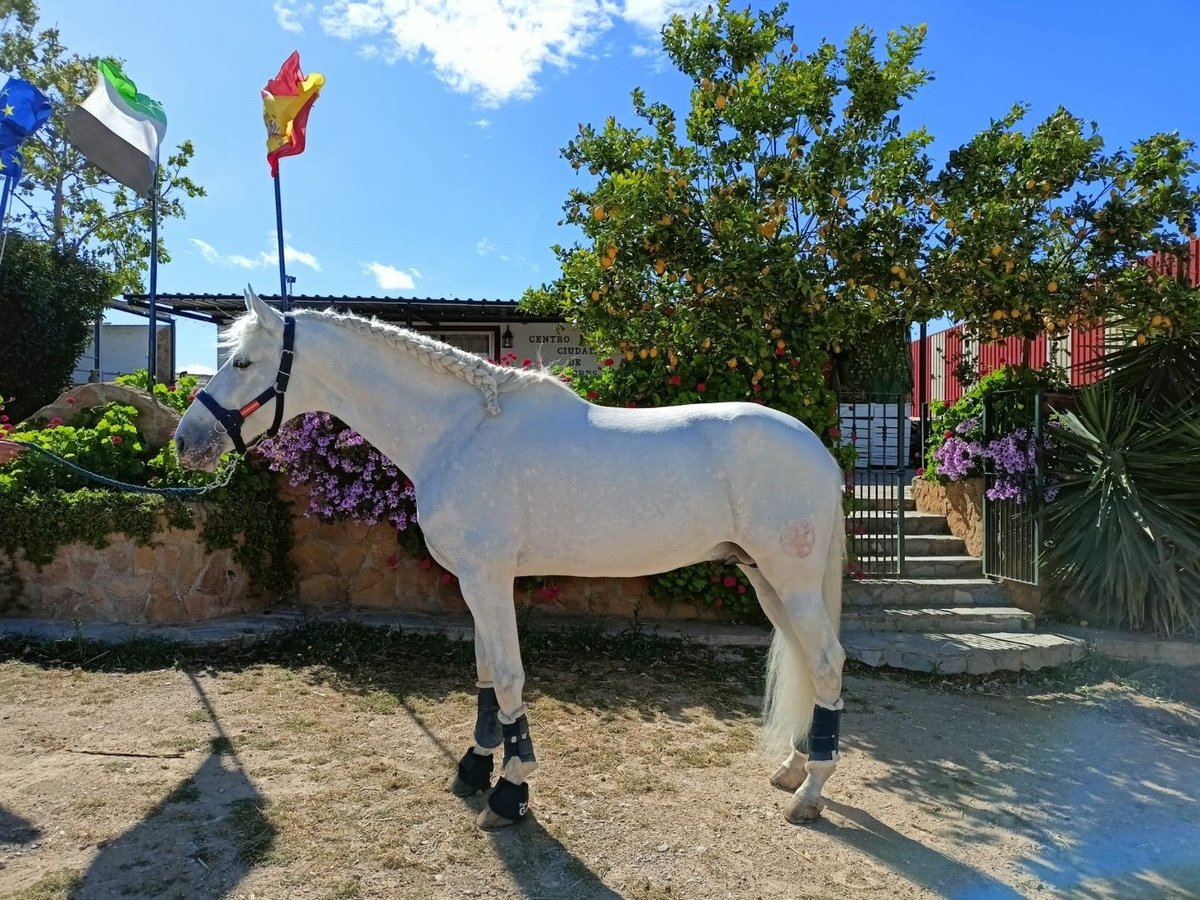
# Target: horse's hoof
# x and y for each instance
(460, 788)
(803, 811)
(788, 780)
(490, 821)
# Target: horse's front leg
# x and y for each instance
(489, 596)
(474, 771)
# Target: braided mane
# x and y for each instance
(489, 378)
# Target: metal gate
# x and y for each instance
(879, 428)
(1013, 485)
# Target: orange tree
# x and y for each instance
(725, 257)
(1042, 231)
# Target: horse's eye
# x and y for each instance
(241, 363)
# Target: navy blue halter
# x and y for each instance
(230, 420)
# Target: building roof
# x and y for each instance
(221, 309)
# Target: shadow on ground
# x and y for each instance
(197, 843)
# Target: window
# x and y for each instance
(477, 342)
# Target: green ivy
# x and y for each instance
(44, 507)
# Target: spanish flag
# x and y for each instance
(287, 98)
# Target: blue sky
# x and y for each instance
(433, 165)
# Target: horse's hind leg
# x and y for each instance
(489, 597)
(799, 589)
(474, 773)
(790, 774)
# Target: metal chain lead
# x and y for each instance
(221, 482)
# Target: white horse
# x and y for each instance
(666, 488)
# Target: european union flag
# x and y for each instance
(11, 163)
(23, 109)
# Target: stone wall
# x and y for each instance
(961, 502)
(338, 565)
(171, 581)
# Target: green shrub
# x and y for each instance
(178, 396)
(1124, 531)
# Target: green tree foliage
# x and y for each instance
(63, 199)
(728, 255)
(49, 297)
(1042, 231)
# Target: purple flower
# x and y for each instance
(346, 477)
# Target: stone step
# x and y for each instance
(941, 620)
(954, 654)
(915, 545)
(882, 501)
(920, 567)
(882, 522)
(927, 592)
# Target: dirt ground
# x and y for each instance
(287, 777)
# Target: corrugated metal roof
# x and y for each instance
(435, 311)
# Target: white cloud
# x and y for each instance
(389, 278)
(264, 259)
(484, 246)
(482, 123)
(288, 14)
(653, 14)
(492, 49)
(198, 369)
(207, 250)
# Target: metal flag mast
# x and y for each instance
(152, 352)
(284, 299)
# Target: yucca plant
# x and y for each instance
(1124, 530)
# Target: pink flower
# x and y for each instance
(835, 432)
(547, 593)
(675, 380)
(116, 439)
(526, 363)
(741, 589)
(630, 405)
(593, 396)
(779, 351)
(715, 579)
(55, 422)
(3, 418)
(426, 564)
(608, 361)
(730, 581)
(171, 387)
(701, 388)
(921, 471)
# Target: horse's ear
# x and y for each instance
(266, 316)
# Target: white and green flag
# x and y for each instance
(119, 130)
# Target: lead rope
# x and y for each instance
(222, 480)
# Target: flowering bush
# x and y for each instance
(178, 395)
(347, 478)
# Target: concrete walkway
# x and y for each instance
(950, 652)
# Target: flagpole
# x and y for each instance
(152, 360)
(284, 303)
(6, 192)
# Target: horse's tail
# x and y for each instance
(790, 696)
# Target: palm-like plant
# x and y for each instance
(1125, 527)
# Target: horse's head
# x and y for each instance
(255, 374)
